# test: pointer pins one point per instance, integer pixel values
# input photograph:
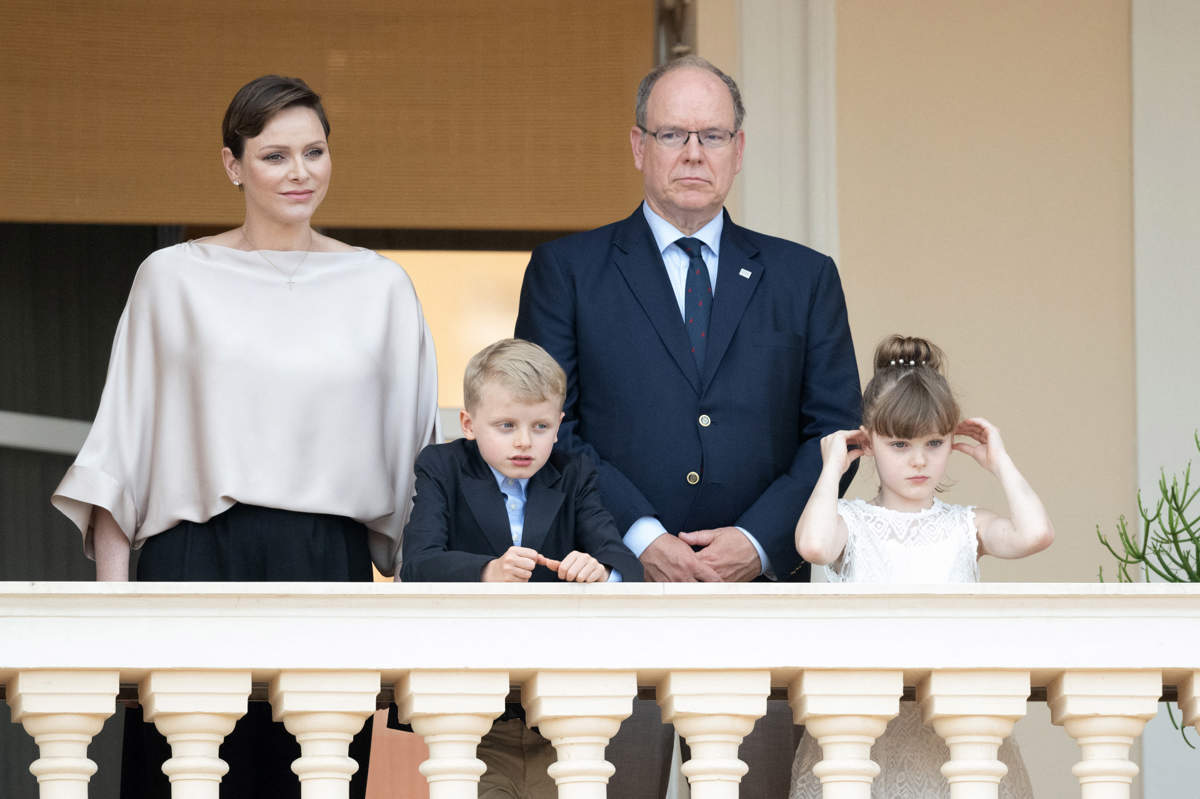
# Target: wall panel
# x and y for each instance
(454, 114)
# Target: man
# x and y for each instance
(704, 361)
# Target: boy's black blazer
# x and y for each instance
(459, 522)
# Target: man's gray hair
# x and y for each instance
(695, 62)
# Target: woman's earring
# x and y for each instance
(237, 182)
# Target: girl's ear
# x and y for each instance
(866, 440)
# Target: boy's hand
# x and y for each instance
(835, 449)
(576, 567)
(514, 566)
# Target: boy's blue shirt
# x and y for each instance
(514, 490)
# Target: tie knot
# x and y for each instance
(690, 246)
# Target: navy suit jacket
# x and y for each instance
(779, 374)
(459, 521)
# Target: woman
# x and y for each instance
(268, 391)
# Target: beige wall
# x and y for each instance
(984, 185)
(984, 163)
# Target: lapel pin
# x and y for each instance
(745, 273)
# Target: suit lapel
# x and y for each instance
(486, 501)
(734, 289)
(542, 501)
(637, 257)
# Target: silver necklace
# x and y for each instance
(290, 278)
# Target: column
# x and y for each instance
(194, 710)
(1189, 699)
(579, 712)
(1104, 711)
(974, 711)
(452, 710)
(63, 711)
(846, 711)
(324, 710)
(714, 711)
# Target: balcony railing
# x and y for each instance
(327, 654)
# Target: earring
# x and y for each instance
(237, 182)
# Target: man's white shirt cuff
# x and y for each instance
(762, 555)
(642, 533)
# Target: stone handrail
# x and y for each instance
(325, 655)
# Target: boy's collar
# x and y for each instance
(500, 478)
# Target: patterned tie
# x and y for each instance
(697, 298)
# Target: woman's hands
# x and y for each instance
(516, 566)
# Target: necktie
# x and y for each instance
(697, 298)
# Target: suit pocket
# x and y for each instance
(781, 338)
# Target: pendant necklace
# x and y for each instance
(290, 278)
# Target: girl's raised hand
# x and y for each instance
(836, 452)
(989, 452)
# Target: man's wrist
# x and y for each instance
(642, 534)
(762, 553)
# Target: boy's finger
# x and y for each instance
(550, 564)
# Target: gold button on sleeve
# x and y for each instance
(693, 478)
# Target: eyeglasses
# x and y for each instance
(676, 139)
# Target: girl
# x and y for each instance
(905, 534)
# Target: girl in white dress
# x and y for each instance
(905, 534)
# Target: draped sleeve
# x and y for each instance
(411, 421)
(112, 470)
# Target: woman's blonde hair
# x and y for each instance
(908, 397)
(522, 367)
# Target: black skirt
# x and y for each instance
(247, 543)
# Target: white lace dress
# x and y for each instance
(936, 545)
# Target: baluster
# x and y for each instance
(714, 711)
(1189, 699)
(452, 711)
(324, 710)
(63, 711)
(579, 712)
(974, 711)
(846, 711)
(1105, 711)
(194, 710)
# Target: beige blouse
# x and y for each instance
(228, 385)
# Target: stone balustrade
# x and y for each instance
(325, 654)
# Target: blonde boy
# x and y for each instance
(500, 505)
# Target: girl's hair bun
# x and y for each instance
(909, 397)
(908, 352)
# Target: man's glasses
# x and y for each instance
(675, 139)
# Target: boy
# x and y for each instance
(500, 506)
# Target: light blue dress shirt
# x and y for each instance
(643, 531)
(514, 490)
